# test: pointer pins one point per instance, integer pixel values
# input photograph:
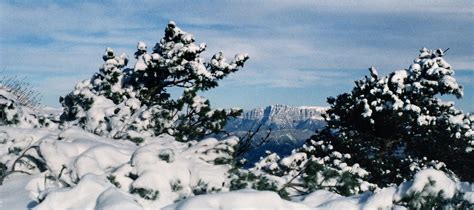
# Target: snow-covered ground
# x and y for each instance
(84, 171)
(161, 168)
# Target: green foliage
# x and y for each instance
(3, 172)
(176, 186)
(112, 180)
(174, 63)
(73, 104)
(304, 173)
(5, 117)
(132, 176)
(393, 126)
(43, 121)
(316, 176)
(222, 161)
(241, 179)
(14, 150)
(147, 194)
(165, 157)
(201, 188)
(264, 184)
(425, 199)
(136, 140)
(344, 185)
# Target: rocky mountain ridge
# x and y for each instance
(290, 127)
(278, 117)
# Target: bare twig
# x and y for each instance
(287, 184)
(37, 162)
(24, 92)
(245, 144)
(444, 52)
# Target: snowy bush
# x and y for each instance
(15, 111)
(25, 94)
(245, 179)
(431, 189)
(131, 103)
(428, 189)
(300, 174)
(395, 125)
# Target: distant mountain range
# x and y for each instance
(279, 117)
(290, 127)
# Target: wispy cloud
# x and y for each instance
(293, 44)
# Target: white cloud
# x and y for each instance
(281, 37)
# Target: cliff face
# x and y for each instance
(278, 117)
(290, 127)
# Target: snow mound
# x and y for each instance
(318, 197)
(84, 194)
(241, 199)
(430, 182)
(86, 169)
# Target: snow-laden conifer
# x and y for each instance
(397, 124)
(132, 102)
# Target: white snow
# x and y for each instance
(84, 194)
(141, 46)
(381, 200)
(87, 163)
(442, 184)
(199, 102)
(13, 194)
(237, 200)
(319, 197)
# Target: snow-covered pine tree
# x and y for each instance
(123, 102)
(394, 125)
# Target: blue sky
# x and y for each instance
(300, 51)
